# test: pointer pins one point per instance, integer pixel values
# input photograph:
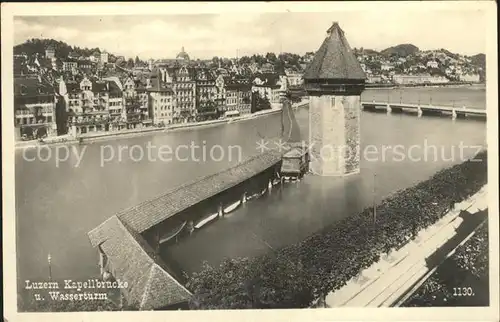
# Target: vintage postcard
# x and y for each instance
(285, 161)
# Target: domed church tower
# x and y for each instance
(334, 81)
(183, 55)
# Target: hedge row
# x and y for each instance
(295, 276)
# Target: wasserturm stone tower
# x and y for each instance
(334, 81)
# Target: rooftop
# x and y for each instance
(334, 59)
(154, 211)
(150, 285)
(31, 87)
(269, 79)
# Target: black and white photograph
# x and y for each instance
(270, 155)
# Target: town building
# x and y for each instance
(143, 101)
(386, 66)
(432, 64)
(182, 59)
(373, 79)
(295, 78)
(50, 52)
(34, 108)
(206, 94)
(20, 66)
(94, 106)
(104, 57)
(86, 105)
(267, 68)
(220, 84)
(238, 97)
(95, 57)
(73, 55)
(136, 102)
(184, 87)
(269, 85)
(182, 55)
(162, 102)
(254, 67)
(473, 78)
(129, 87)
(182, 80)
(419, 79)
(85, 66)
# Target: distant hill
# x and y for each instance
(449, 53)
(402, 50)
(62, 49)
(479, 60)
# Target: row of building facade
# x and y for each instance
(168, 95)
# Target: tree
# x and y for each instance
(259, 59)
(130, 63)
(215, 60)
(245, 60)
(259, 103)
(271, 57)
(137, 60)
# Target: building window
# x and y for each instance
(333, 103)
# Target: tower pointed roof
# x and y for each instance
(334, 59)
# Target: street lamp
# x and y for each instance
(374, 203)
(49, 258)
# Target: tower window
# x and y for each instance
(333, 103)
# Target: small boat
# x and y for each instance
(232, 207)
(173, 233)
(206, 220)
(257, 194)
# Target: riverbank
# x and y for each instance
(104, 136)
(391, 85)
(326, 261)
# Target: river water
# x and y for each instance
(56, 205)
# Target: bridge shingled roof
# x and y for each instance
(154, 211)
(334, 59)
(150, 284)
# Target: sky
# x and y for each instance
(238, 34)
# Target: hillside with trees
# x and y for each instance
(402, 50)
(62, 49)
(479, 60)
